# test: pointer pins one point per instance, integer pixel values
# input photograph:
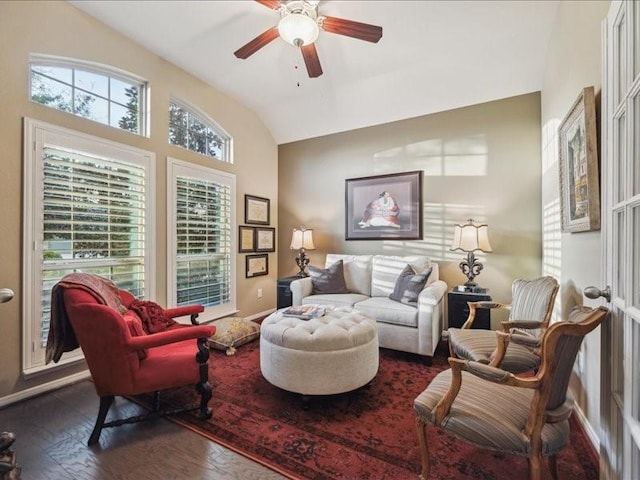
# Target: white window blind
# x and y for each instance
(202, 202)
(204, 242)
(88, 210)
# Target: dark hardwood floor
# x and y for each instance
(52, 432)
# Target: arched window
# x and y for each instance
(95, 92)
(195, 131)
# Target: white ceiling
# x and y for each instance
(433, 56)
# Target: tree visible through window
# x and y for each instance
(196, 133)
(97, 96)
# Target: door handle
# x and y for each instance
(595, 292)
(6, 294)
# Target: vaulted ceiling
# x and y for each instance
(433, 56)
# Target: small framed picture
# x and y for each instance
(265, 239)
(257, 265)
(246, 239)
(256, 210)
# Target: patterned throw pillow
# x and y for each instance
(329, 280)
(231, 332)
(409, 285)
(152, 315)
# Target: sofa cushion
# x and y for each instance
(357, 271)
(328, 280)
(337, 299)
(386, 310)
(409, 285)
(385, 270)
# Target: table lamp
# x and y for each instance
(471, 237)
(302, 240)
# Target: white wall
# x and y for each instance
(573, 62)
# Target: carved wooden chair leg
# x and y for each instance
(204, 387)
(421, 428)
(205, 396)
(105, 404)
(535, 467)
(553, 466)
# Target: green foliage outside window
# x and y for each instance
(90, 95)
(189, 131)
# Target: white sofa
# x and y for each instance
(370, 279)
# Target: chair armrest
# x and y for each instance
(503, 340)
(526, 324)
(487, 372)
(300, 288)
(432, 294)
(191, 310)
(493, 374)
(473, 306)
(170, 336)
(526, 340)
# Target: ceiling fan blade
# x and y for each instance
(311, 60)
(273, 4)
(257, 43)
(361, 31)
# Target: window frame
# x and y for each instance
(227, 149)
(99, 69)
(176, 168)
(37, 136)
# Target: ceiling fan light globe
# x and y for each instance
(298, 29)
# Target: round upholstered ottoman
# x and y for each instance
(334, 353)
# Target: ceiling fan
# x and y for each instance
(300, 25)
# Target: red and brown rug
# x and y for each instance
(365, 434)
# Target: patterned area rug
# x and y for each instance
(365, 434)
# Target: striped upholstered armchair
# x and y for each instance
(494, 409)
(529, 315)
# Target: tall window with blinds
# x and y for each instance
(201, 267)
(88, 211)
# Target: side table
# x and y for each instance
(284, 292)
(458, 310)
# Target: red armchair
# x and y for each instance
(124, 360)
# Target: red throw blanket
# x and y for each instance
(61, 336)
(152, 315)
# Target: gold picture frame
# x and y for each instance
(578, 166)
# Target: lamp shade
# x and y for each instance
(302, 238)
(471, 237)
(298, 29)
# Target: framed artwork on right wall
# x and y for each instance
(578, 161)
(384, 207)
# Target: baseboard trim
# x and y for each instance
(43, 388)
(586, 426)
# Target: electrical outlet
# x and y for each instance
(259, 293)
